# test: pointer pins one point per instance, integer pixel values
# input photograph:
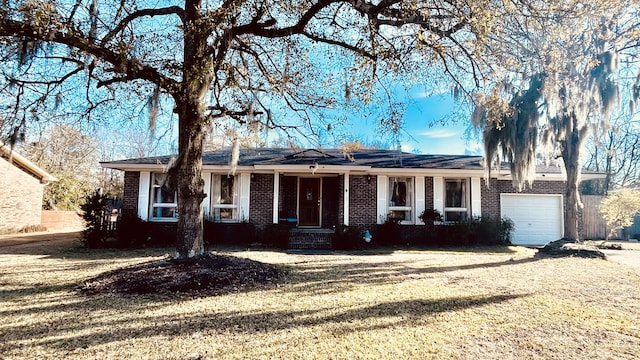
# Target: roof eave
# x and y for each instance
(44, 176)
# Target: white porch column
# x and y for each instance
(206, 203)
(276, 197)
(476, 203)
(382, 199)
(420, 199)
(346, 199)
(144, 188)
(245, 196)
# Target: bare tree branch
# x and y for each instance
(172, 10)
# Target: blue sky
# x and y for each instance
(433, 124)
(435, 128)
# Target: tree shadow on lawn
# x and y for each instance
(329, 277)
(64, 334)
(218, 274)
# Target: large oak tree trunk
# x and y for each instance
(571, 147)
(190, 241)
(573, 203)
(191, 112)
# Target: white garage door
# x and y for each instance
(537, 218)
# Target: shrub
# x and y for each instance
(431, 216)
(478, 231)
(32, 228)
(133, 231)
(484, 231)
(388, 234)
(347, 237)
(619, 208)
(93, 210)
(276, 235)
(241, 233)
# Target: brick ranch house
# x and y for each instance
(21, 189)
(318, 189)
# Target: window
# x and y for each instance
(455, 202)
(163, 198)
(224, 197)
(400, 199)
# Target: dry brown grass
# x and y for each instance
(482, 304)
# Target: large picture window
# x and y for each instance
(456, 200)
(164, 203)
(400, 199)
(224, 197)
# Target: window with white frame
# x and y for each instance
(400, 207)
(164, 203)
(224, 197)
(456, 200)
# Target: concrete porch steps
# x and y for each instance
(310, 239)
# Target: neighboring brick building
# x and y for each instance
(21, 188)
(321, 189)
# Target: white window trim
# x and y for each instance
(215, 197)
(144, 189)
(154, 205)
(382, 184)
(410, 196)
(476, 197)
(467, 197)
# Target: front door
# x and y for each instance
(309, 202)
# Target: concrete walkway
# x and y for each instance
(625, 257)
(62, 238)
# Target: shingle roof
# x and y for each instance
(280, 156)
(375, 158)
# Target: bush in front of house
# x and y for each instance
(347, 237)
(477, 231)
(276, 235)
(134, 232)
(94, 234)
(388, 234)
(485, 231)
(228, 233)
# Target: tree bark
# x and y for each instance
(192, 120)
(188, 172)
(571, 155)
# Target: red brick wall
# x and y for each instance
(20, 198)
(261, 200)
(362, 202)
(428, 193)
(130, 200)
(491, 195)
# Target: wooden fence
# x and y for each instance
(593, 225)
(109, 220)
(55, 220)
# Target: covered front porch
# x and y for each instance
(311, 205)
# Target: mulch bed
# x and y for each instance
(562, 248)
(205, 275)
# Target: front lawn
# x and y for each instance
(501, 303)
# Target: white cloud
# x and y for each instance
(439, 133)
(420, 95)
(407, 147)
